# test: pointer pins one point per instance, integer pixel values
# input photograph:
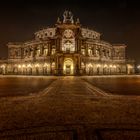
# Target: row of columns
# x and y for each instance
(52, 70)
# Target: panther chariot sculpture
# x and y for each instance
(68, 17)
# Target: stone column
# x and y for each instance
(95, 51)
(57, 45)
(76, 46)
(79, 45)
(86, 50)
(41, 49)
(49, 49)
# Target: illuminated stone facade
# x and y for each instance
(66, 49)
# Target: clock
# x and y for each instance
(68, 33)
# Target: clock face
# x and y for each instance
(68, 33)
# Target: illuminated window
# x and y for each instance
(38, 52)
(82, 65)
(89, 51)
(98, 65)
(45, 51)
(53, 65)
(83, 51)
(105, 66)
(53, 51)
(45, 65)
(97, 51)
(37, 65)
(29, 65)
(19, 66)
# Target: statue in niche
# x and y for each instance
(12, 52)
(77, 21)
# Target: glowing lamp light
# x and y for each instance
(90, 65)
(45, 65)
(129, 67)
(138, 66)
(29, 66)
(3, 66)
(72, 67)
(114, 66)
(98, 65)
(37, 65)
(53, 64)
(23, 66)
(19, 66)
(82, 65)
(105, 66)
(110, 66)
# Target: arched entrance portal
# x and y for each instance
(68, 67)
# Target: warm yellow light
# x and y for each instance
(68, 62)
(29, 66)
(37, 65)
(3, 66)
(45, 65)
(82, 65)
(105, 66)
(90, 65)
(114, 66)
(110, 66)
(53, 64)
(19, 66)
(138, 66)
(23, 66)
(98, 65)
(130, 66)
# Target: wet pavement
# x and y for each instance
(70, 108)
(22, 85)
(117, 85)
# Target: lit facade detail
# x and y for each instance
(66, 49)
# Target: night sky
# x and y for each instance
(117, 20)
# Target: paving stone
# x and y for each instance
(70, 108)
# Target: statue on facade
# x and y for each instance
(58, 21)
(68, 17)
(77, 21)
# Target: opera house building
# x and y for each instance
(66, 49)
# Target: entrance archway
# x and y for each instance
(68, 67)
